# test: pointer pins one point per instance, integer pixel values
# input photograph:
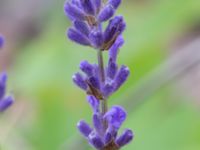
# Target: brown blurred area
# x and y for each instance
(189, 83)
(20, 22)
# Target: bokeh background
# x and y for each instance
(162, 95)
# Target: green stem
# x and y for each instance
(104, 105)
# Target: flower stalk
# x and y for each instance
(103, 102)
(99, 82)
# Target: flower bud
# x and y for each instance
(114, 50)
(98, 123)
(125, 138)
(73, 12)
(94, 103)
(115, 3)
(106, 13)
(115, 27)
(94, 81)
(97, 4)
(95, 140)
(77, 37)
(82, 27)
(115, 116)
(88, 6)
(84, 128)
(96, 38)
(121, 76)
(108, 88)
(112, 69)
(110, 135)
(87, 68)
(79, 81)
(76, 2)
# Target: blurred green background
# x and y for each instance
(40, 61)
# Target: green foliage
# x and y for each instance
(42, 73)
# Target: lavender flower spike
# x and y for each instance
(5, 101)
(99, 82)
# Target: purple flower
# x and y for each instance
(98, 137)
(74, 12)
(106, 13)
(121, 76)
(99, 82)
(96, 38)
(82, 27)
(79, 81)
(77, 37)
(97, 5)
(108, 88)
(125, 138)
(114, 50)
(115, 28)
(98, 123)
(94, 103)
(88, 6)
(1, 41)
(115, 116)
(87, 68)
(84, 128)
(5, 101)
(111, 69)
(115, 3)
(110, 135)
(95, 140)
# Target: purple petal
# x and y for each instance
(84, 128)
(87, 68)
(97, 4)
(82, 27)
(98, 123)
(115, 3)
(3, 79)
(114, 50)
(125, 138)
(95, 140)
(110, 135)
(94, 81)
(73, 12)
(96, 38)
(115, 27)
(88, 6)
(108, 88)
(94, 103)
(112, 69)
(121, 76)
(106, 13)
(76, 2)
(77, 37)
(79, 81)
(115, 116)
(1, 41)
(5, 103)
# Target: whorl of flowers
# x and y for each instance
(5, 101)
(99, 82)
